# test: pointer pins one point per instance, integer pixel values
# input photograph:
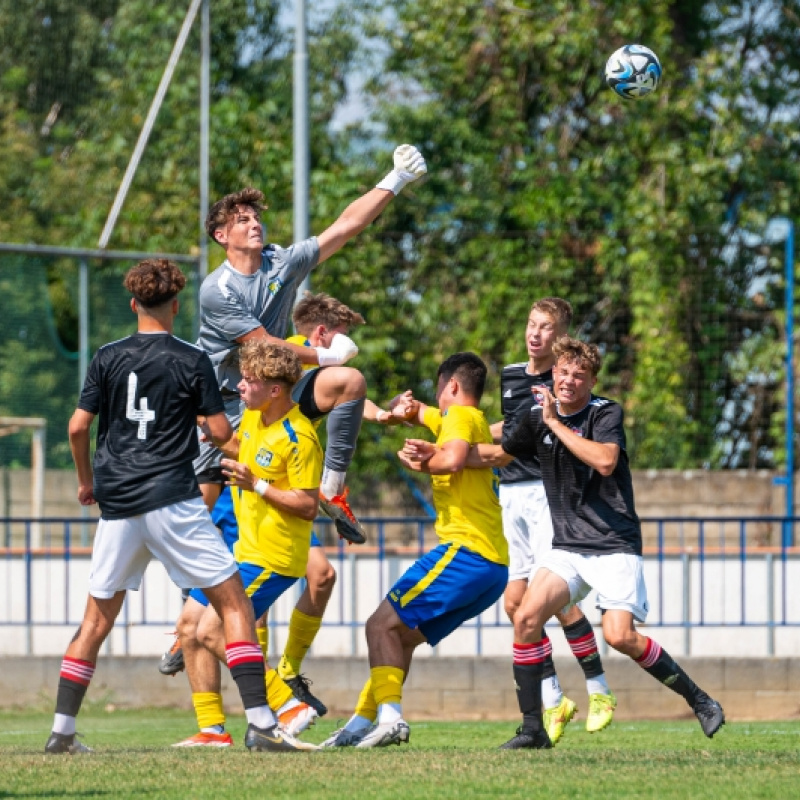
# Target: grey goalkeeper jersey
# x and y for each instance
(233, 304)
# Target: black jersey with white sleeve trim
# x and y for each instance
(592, 514)
(516, 401)
(147, 391)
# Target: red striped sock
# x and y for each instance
(532, 653)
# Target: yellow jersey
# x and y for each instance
(467, 508)
(288, 455)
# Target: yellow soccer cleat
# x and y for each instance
(601, 711)
(556, 719)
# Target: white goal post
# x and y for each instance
(10, 425)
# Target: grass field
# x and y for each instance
(444, 760)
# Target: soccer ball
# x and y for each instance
(633, 71)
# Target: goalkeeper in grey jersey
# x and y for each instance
(250, 296)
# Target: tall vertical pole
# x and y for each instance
(788, 534)
(205, 108)
(300, 119)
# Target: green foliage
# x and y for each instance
(541, 182)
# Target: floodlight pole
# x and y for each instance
(205, 113)
(300, 124)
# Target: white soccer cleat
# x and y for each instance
(298, 719)
(388, 733)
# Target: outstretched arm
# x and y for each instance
(409, 165)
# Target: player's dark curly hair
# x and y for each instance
(220, 213)
(154, 282)
(322, 309)
(468, 370)
(575, 351)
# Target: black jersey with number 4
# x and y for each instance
(148, 390)
(592, 514)
(516, 401)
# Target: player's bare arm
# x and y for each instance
(302, 503)
(79, 437)
(602, 456)
(229, 446)
(487, 455)
(451, 457)
(409, 165)
(341, 350)
(496, 429)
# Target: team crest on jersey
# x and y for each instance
(264, 457)
(275, 286)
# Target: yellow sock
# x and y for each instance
(366, 706)
(263, 640)
(387, 684)
(278, 693)
(302, 630)
(208, 709)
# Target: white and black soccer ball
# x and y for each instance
(633, 71)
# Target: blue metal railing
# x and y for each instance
(714, 572)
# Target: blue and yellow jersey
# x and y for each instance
(288, 455)
(298, 338)
(467, 508)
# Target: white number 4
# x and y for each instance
(141, 415)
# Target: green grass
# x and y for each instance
(444, 760)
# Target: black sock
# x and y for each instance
(580, 637)
(663, 667)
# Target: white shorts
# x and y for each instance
(527, 526)
(618, 579)
(181, 536)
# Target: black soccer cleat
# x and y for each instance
(274, 740)
(347, 526)
(65, 743)
(710, 714)
(172, 661)
(528, 739)
(299, 686)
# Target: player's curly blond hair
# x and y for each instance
(154, 282)
(221, 212)
(322, 309)
(575, 351)
(270, 362)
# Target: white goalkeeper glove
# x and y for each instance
(342, 349)
(409, 165)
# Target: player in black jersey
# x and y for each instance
(527, 523)
(597, 542)
(148, 390)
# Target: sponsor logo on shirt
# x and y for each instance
(264, 457)
(274, 286)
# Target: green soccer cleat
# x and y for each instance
(601, 711)
(556, 719)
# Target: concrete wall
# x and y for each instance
(439, 688)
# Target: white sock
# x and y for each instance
(261, 717)
(358, 723)
(551, 692)
(213, 729)
(291, 703)
(389, 713)
(598, 685)
(332, 482)
(63, 723)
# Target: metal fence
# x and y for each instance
(708, 588)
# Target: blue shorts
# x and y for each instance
(446, 587)
(260, 585)
(223, 517)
